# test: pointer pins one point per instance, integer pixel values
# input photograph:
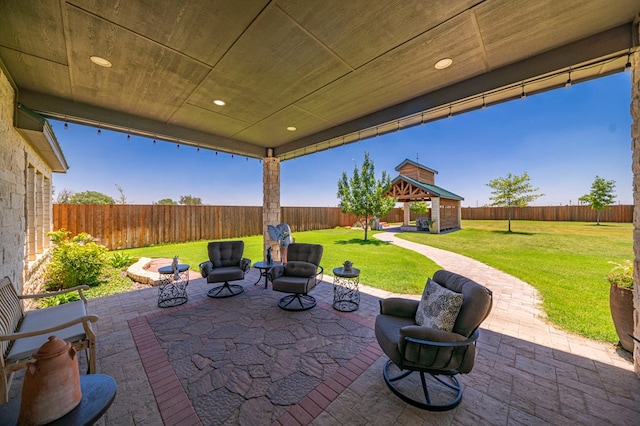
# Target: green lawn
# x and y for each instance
(382, 265)
(566, 261)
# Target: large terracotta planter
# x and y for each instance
(621, 305)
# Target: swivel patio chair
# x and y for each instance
(298, 276)
(444, 346)
(225, 264)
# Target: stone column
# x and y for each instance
(270, 202)
(459, 214)
(407, 214)
(435, 214)
(635, 164)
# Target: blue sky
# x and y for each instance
(563, 139)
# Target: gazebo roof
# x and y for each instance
(413, 163)
(406, 189)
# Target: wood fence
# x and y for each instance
(120, 226)
(616, 213)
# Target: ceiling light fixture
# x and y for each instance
(100, 61)
(443, 63)
(219, 102)
(291, 129)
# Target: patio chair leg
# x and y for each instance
(233, 290)
(303, 300)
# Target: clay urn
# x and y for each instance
(51, 386)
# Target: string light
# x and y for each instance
(66, 125)
(128, 137)
(177, 146)
(523, 95)
(216, 153)
(450, 116)
(484, 104)
(99, 131)
(154, 141)
(198, 149)
(568, 83)
(627, 67)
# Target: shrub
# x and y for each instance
(75, 261)
(57, 300)
(621, 274)
(121, 260)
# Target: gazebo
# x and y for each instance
(417, 183)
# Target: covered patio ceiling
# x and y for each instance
(337, 71)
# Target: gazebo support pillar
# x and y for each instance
(407, 214)
(270, 202)
(435, 214)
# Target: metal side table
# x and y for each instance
(346, 294)
(172, 291)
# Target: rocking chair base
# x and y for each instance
(452, 383)
(232, 290)
(297, 302)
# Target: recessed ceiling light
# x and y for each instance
(219, 102)
(100, 61)
(443, 63)
(291, 129)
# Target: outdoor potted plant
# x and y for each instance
(621, 301)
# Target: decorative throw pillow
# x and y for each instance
(439, 307)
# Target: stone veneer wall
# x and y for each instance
(270, 202)
(17, 157)
(635, 164)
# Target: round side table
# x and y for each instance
(346, 294)
(172, 291)
(264, 269)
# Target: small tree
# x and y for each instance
(123, 198)
(64, 197)
(512, 191)
(91, 197)
(363, 196)
(188, 200)
(601, 196)
(166, 202)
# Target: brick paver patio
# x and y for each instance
(526, 371)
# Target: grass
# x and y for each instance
(567, 262)
(382, 265)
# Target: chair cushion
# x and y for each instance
(40, 319)
(298, 268)
(225, 253)
(298, 285)
(439, 307)
(225, 273)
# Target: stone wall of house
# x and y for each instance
(18, 159)
(635, 165)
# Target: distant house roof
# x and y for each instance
(413, 163)
(427, 188)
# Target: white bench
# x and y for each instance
(22, 333)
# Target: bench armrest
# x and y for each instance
(55, 293)
(21, 335)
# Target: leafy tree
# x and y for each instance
(601, 196)
(363, 196)
(166, 202)
(512, 191)
(419, 207)
(91, 197)
(188, 200)
(122, 199)
(64, 197)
